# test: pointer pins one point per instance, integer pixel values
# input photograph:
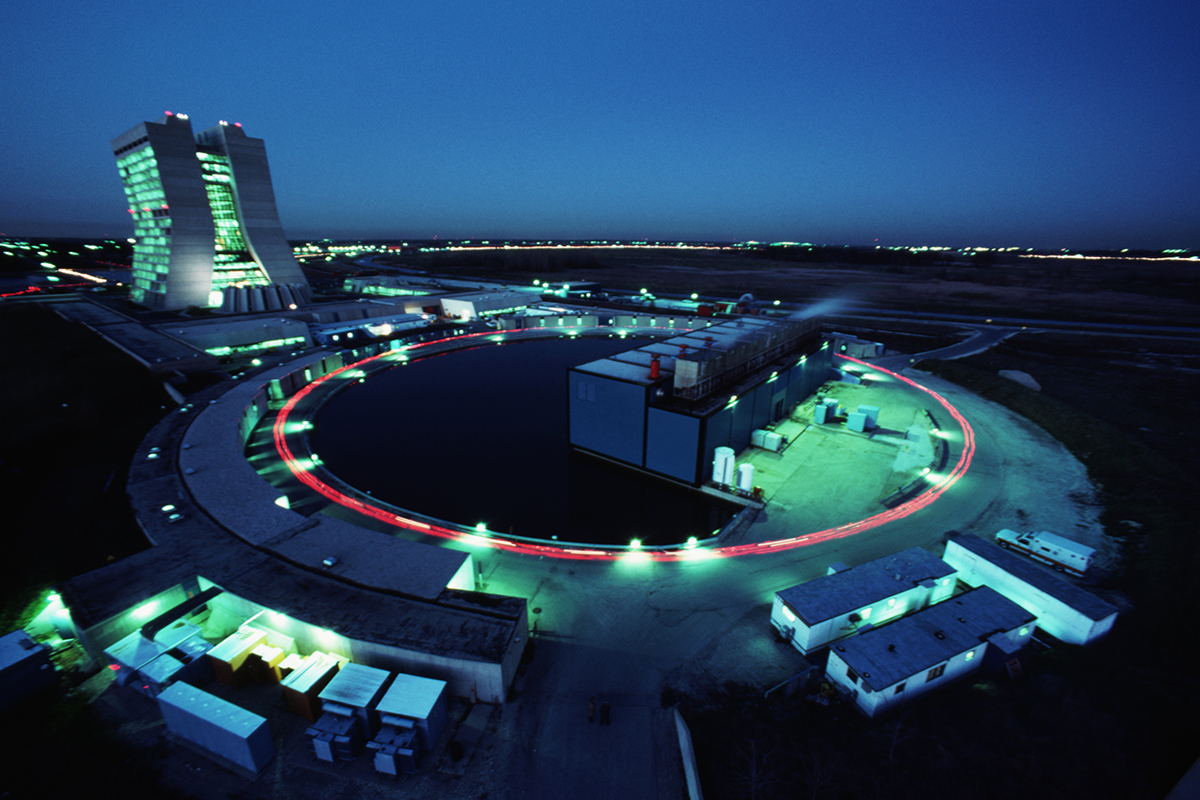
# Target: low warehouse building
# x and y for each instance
(832, 607)
(222, 336)
(888, 666)
(667, 407)
(1064, 611)
(474, 305)
(325, 584)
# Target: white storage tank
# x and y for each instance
(723, 465)
(745, 478)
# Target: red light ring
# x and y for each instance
(901, 511)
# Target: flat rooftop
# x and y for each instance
(1026, 570)
(889, 654)
(634, 365)
(155, 349)
(834, 595)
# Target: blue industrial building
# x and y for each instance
(667, 406)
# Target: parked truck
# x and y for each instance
(1049, 548)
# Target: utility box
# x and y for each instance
(25, 668)
(149, 666)
(417, 702)
(127, 656)
(395, 750)
(228, 657)
(335, 737)
(153, 678)
(825, 411)
(263, 663)
(302, 687)
(353, 692)
(217, 727)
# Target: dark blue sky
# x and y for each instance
(1061, 124)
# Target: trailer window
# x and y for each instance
(936, 672)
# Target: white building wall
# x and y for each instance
(1055, 617)
(872, 703)
(458, 309)
(465, 577)
(806, 639)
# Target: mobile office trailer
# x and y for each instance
(1062, 554)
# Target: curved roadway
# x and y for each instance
(626, 628)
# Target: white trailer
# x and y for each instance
(1049, 548)
(1063, 610)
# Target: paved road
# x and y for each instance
(984, 338)
(626, 630)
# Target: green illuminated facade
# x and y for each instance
(203, 212)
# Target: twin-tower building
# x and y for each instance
(206, 228)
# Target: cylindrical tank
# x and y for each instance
(723, 465)
(745, 478)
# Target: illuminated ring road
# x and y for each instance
(301, 467)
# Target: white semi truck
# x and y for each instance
(1049, 548)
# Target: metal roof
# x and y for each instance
(621, 370)
(1026, 570)
(895, 652)
(356, 686)
(411, 696)
(833, 595)
(702, 343)
(212, 709)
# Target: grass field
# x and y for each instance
(1146, 292)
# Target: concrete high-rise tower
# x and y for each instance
(205, 220)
